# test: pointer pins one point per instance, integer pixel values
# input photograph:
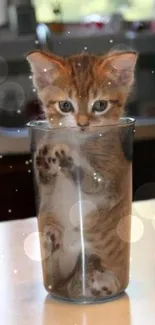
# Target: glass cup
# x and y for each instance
(83, 182)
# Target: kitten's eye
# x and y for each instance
(100, 106)
(66, 107)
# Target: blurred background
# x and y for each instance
(66, 27)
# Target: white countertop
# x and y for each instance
(24, 301)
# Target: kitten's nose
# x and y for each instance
(83, 120)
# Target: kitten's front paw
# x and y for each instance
(45, 164)
(52, 161)
(61, 155)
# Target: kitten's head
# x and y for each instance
(83, 89)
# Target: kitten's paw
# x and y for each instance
(51, 161)
(61, 156)
(46, 164)
(52, 239)
(103, 284)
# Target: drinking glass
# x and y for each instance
(83, 182)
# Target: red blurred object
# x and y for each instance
(99, 25)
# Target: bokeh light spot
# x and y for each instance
(82, 210)
(137, 229)
(32, 245)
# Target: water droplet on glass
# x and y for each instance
(36, 41)
(9, 210)
(30, 160)
(29, 171)
(94, 174)
(10, 166)
(111, 41)
(18, 131)
(152, 71)
(100, 134)
(34, 90)
(26, 162)
(60, 123)
(18, 111)
(45, 70)
(30, 77)
(1, 156)
(99, 180)
(49, 287)
(15, 271)
(16, 190)
(69, 32)
(85, 48)
(109, 83)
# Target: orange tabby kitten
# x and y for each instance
(83, 91)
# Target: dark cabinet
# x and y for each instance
(16, 187)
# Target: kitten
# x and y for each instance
(84, 91)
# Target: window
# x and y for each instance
(75, 10)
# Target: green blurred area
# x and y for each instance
(76, 10)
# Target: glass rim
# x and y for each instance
(40, 125)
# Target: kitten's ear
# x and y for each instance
(122, 65)
(44, 67)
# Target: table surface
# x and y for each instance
(24, 301)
